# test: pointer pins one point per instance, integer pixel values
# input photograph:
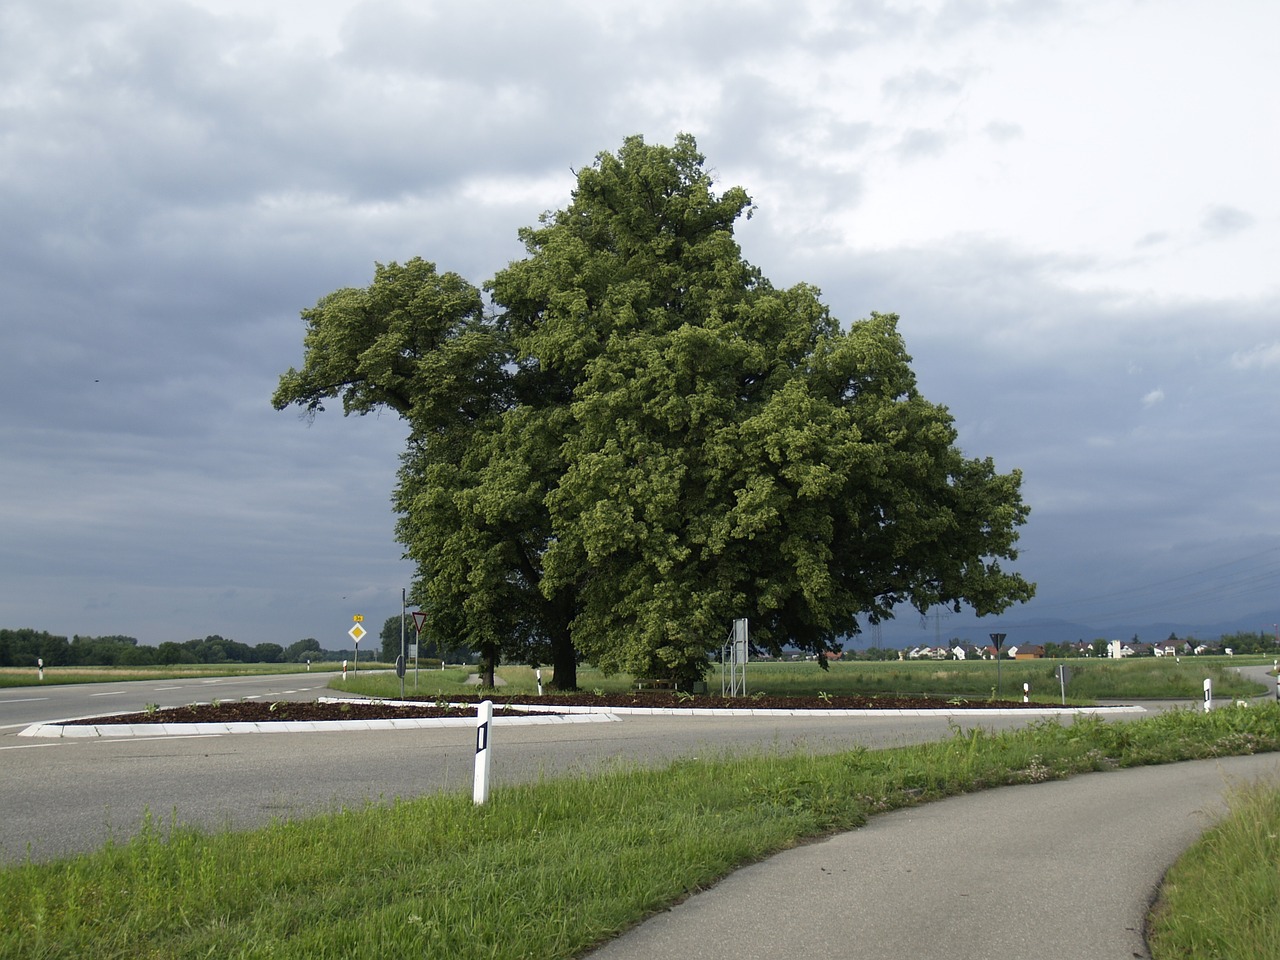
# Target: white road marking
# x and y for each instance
(110, 693)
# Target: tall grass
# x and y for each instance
(1149, 678)
(543, 870)
(1220, 899)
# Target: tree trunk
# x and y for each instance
(489, 668)
(564, 658)
(564, 662)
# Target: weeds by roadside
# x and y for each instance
(1219, 899)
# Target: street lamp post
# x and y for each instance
(996, 640)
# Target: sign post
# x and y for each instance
(1208, 694)
(1064, 675)
(996, 640)
(356, 633)
(419, 621)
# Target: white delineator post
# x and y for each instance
(1026, 693)
(1208, 694)
(484, 719)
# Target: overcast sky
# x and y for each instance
(1073, 206)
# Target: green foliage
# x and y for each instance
(647, 440)
(21, 648)
(308, 649)
(1250, 642)
(391, 636)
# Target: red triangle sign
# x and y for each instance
(419, 620)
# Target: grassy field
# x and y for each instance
(1219, 900)
(543, 870)
(29, 676)
(1092, 680)
(1150, 678)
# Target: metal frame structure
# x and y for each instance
(733, 661)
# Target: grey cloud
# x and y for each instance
(1031, 371)
(922, 144)
(1223, 221)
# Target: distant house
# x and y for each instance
(1027, 652)
(929, 653)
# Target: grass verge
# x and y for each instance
(1219, 900)
(543, 870)
(1149, 678)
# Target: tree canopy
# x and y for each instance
(641, 439)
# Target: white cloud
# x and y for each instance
(1264, 356)
(1152, 398)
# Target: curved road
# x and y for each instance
(1065, 869)
(67, 796)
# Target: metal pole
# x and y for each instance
(997, 639)
(402, 606)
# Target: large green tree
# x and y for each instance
(645, 439)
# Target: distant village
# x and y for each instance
(1106, 649)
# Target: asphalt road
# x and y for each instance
(1065, 869)
(67, 796)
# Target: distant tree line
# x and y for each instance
(23, 648)
(1250, 642)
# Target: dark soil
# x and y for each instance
(308, 710)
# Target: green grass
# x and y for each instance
(28, 676)
(1149, 678)
(543, 870)
(1092, 680)
(1218, 902)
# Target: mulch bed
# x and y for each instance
(308, 710)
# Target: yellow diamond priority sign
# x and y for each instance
(357, 633)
